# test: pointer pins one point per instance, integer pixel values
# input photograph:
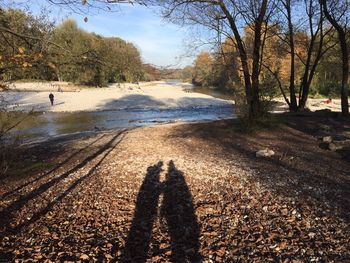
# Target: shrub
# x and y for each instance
(9, 141)
(266, 122)
(330, 89)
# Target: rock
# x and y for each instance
(84, 257)
(265, 153)
(312, 234)
(327, 139)
(332, 147)
(337, 146)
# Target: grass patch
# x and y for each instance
(318, 96)
(268, 122)
(27, 167)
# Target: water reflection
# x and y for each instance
(75, 122)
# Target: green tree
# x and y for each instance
(92, 59)
(23, 44)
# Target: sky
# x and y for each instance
(160, 43)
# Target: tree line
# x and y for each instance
(32, 47)
(267, 43)
(220, 68)
(261, 44)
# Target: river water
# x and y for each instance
(51, 124)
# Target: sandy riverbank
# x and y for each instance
(312, 104)
(156, 94)
(28, 96)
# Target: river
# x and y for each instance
(51, 124)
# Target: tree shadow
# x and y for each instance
(178, 211)
(8, 213)
(299, 169)
(55, 168)
(43, 211)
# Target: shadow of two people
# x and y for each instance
(177, 209)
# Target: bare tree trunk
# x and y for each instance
(242, 54)
(255, 102)
(345, 79)
(309, 74)
(345, 58)
(293, 99)
(251, 82)
(311, 65)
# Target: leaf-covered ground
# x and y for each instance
(180, 193)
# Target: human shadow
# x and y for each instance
(178, 211)
(138, 240)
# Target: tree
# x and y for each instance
(187, 74)
(219, 16)
(94, 59)
(32, 48)
(288, 14)
(304, 47)
(226, 66)
(337, 13)
(203, 70)
(315, 46)
(23, 43)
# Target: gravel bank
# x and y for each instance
(180, 193)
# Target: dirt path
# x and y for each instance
(181, 193)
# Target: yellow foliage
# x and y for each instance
(51, 65)
(26, 65)
(21, 50)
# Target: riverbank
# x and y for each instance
(28, 96)
(150, 95)
(180, 192)
(312, 104)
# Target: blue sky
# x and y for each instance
(161, 43)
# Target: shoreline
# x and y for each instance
(80, 135)
(153, 95)
(147, 108)
(51, 125)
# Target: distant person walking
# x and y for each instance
(51, 97)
